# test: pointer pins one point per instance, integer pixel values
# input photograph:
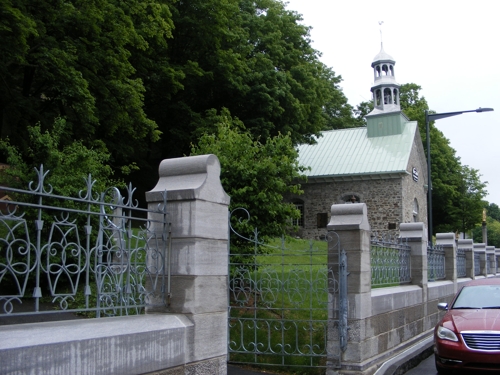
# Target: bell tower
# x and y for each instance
(385, 89)
(386, 118)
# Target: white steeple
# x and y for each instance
(385, 89)
(386, 118)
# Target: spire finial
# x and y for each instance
(381, 40)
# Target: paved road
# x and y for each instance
(426, 367)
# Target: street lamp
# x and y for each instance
(429, 118)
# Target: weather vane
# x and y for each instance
(381, 40)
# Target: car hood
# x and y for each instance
(473, 320)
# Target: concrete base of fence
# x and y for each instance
(122, 345)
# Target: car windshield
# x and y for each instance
(478, 297)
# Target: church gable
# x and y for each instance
(382, 165)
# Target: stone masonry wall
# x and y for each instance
(383, 199)
(415, 189)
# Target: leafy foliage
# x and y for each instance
(253, 58)
(72, 59)
(492, 226)
(125, 75)
(470, 201)
(69, 164)
(493, 230)
(493, 211)
(457, 190)
(255, 175)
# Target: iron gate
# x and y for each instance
(279, 297)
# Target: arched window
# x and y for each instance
(391, 68)
(415, 210)
(378, 98)
(299, 205)
(387, 96)
(385, 70)
(377, 71)
(395, 96)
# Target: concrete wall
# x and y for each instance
(188, 336)
(385, 321)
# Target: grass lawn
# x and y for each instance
(279, 306)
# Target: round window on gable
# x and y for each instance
(350, 198)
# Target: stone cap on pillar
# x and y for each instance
(349, 216)
(490, 249)
(479, 247)
(413, 231)
(445, 239)
(189, 178)
(465, 243)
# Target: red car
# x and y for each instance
(468, 336)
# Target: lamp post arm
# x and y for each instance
(437, 116)
(428, 119)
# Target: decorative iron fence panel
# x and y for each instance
(278, 301)
(91, 253)
(461, 263)
(477, 266)
(390, 261)
(436, 263)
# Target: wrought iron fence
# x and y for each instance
(435, 263)
(279, 295)
(477, 266)
(93, 253)
(461, 263)
(390, 261)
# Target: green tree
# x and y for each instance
(256, 175)
(493, 228)
(493, 211)
(69, 165)
(455, 188)
(254, 58)
(72, 59)
(470, 201)
(362, 109)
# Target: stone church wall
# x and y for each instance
(383, 198)
(415, 189)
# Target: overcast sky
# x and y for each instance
(450, 48)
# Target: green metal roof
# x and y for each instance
(350, 152)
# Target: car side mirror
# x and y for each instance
(443, 306)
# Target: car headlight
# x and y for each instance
(446, 334)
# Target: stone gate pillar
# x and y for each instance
(416, 236)
(447, 242)
(350, 223)
(197, 210)
(480, 248)
(467, 246)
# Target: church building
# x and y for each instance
(382, 165)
